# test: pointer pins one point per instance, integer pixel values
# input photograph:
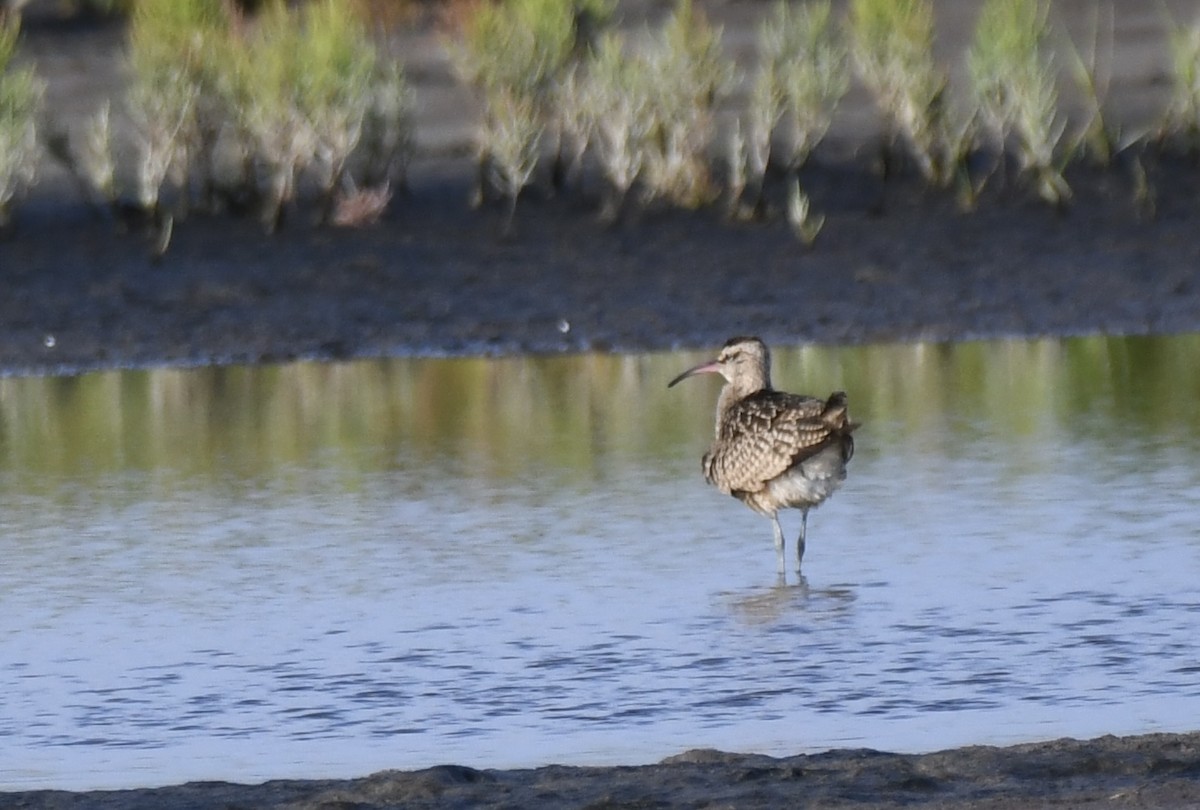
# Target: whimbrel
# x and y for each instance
(773, 450)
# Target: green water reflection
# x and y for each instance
(506, 417)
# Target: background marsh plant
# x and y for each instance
(1092, 72)
(1014, 84)
(513, 132)
(386, 144)
(686, 74)
(518, 47)
(646, 110)
(805, 60)
(800, 79)
(892, 46)
(178, 54)
(520, 54)
(242, 108)
(302, 89)
(20, 102)
(612, 101)
(1183, 112)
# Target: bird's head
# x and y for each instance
(744, 362)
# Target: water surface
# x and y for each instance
(325, 570)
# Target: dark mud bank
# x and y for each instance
(1157, 770)
(894, 262)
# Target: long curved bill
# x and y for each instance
(711, 367)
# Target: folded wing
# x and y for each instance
(766, 433)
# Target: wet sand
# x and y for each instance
(894, 262)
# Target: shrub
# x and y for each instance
(387, 130)
(1013, 81)
(285, 92)
(179, 55)
(517, 48)
(750, 151)
(892, 45)
(801, 77)
(613, 101)
(1183, 113)
(513, 132)
(686, 74)
(805, 59)
(570, 122)
(1093, 76)
(96, 157)
(20, 101)
(301, 89)
(525, 53)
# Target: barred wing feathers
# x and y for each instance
(766, 433)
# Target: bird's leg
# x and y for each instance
(778, 542)
(800, 539)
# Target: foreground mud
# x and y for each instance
(1151, 771)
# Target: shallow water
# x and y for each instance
(325, 570)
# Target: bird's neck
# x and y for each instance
(735, 391)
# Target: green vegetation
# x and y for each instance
(1092, 74)
(801, 77)
(519, 48)
(892, 45)
(178, 50)
(686, 73)
(519, 55)
(1013, 81)
(645, 113)
(288, 103)
(514, 134)
(386, 144)
(612, 103)
(1183, 113)
(20, 101)
(302, 89)
(804, 67)
(229, 107)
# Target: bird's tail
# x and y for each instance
(837, 414)
(837, 417)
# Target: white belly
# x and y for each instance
(803, 486)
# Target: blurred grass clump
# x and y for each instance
(521, 55)
(800, 79)
(686, 73)
(241, 110)
(302, 91)
(179, 53)
(266, 105)
(892, 45)
(20, 103)
(641, 108)
(1183, 112)
(1014, 85)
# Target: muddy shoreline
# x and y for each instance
(1147, 771)
(894, 263)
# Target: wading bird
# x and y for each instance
(773, 450)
